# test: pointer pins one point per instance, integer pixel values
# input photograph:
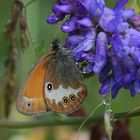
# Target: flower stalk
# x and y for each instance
(65, 121)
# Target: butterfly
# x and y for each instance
(54, 84)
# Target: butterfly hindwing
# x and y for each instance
(64, 88)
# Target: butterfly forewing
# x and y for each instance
(31, 96)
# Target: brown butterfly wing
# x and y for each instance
(64, 87)
(31, 96)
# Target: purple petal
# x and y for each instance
(80, 10)
(135, 54)
(130, 69)
(117, 46)
(127, 79)
(137, 86)
(122, 27)
(129, 65)
(100, 4)
(100, 8)
(101, 48)
(117, 69)
(116, 25)
(108, 21)
(119, 5)
(64, 1)
(111, 22)
(135, 20)
(88, 57)
(91, 34)
(69, 26)
(116, 86)
(84, 45)
(132, 37)
(105, 71)
(74, 39)
(126, 14)
(132, 90)
(90, 5)
(89, 68)
(87, 43)
(85, 22)
(138, 74)
(53, 19)
(105, 88)
(101, 44)
(63, 8)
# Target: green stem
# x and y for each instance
(134, 3)
(60, 121)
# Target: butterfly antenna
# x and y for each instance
(90, 115)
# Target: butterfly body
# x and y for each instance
(55, 83)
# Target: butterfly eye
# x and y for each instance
(72, 97)
(65, 100)
(49, 86)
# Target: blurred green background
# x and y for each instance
(42, 35)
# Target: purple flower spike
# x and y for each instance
(107, 39)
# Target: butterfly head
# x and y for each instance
(55, 44)
(60, 52)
